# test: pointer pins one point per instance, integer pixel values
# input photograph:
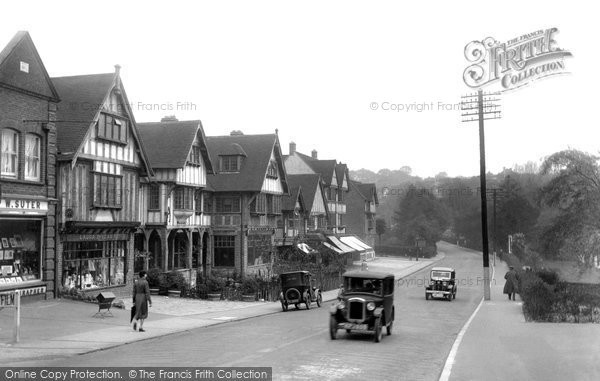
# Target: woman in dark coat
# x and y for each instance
(141, 299)
(512, 283)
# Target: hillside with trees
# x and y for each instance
(554, 208)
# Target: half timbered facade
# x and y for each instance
(175, 225)
(101, 162)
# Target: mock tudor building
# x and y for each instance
(176, 229)
(101, 161)
(248, 186)
(28, 102)
(362, 205)
(335, 182)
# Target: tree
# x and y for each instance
(574, 191)
(420, 216)
(380, 227)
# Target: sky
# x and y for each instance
(315, 71)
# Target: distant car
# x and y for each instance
(365, 304)
(296, 288)
(442, 283)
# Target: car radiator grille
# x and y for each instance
(356, 310)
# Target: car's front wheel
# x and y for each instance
(319, 300)
(378, 331)
(332, 328)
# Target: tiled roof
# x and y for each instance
(289, 201)
(168, 144)
(82, 97)
(251, 175)
(368, 191)
(340, 171)
(309, 184)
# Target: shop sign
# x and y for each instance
(23, 205)
(96, 237)
(7, 296)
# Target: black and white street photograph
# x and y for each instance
(318, 190)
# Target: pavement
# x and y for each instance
(499, 344)
(57, 328)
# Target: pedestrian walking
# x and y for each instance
(141, 300)
(512, 283)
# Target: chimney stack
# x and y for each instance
(117, 69)
(169, 118)
(314, 154)
(292, 148)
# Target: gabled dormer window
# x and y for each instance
(195, 156)
(272, 170)
(230, 163)
(112, 128)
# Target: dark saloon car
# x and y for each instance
(296, 288)
(442, 283)
(366, 304)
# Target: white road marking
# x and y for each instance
(224, 318)
(445, 376)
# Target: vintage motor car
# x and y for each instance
(297, 287)
(442, 283)
(365, 304)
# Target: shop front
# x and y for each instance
(22, 247)
(96, 257)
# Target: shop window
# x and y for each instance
(259, 249)
(32, 157)
(107, 190)
(20, 251)
(10, 153)
(224, 250)
(93, 264)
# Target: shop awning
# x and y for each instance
(351, 243)
(332, 247)
(355, 242)
(343, 247)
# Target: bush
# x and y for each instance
(215, 284)
(548, 276)
(249, 286)
(176, 280)
(538, 298)
(154, 277)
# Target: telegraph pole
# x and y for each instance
(479, 107)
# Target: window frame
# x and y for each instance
(183, 198)
(116, 125)
(101, 199)
(13, 153)
(37, 158)
(227, 161)
(153, 197)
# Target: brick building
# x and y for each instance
(28, 102)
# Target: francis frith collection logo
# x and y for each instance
(515, 63)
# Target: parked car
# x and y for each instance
(442, 283)
(366, 304)
(297, 287)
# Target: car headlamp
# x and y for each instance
(370, 306)
(431, 282)
(341, 305)
(444, 283)
(450, 286)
